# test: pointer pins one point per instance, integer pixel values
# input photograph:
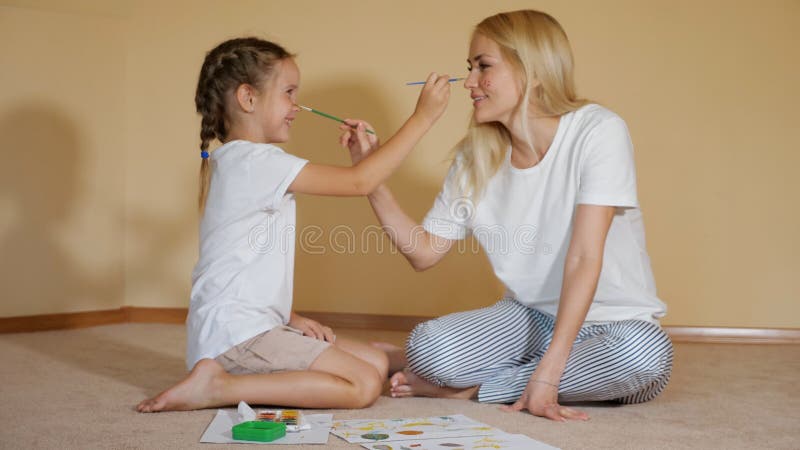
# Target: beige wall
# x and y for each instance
(708, 89)
(61, 174)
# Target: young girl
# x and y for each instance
(553, 176)
(244, 341)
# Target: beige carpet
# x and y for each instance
(76, 389)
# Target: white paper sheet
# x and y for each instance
(498, 441)
(418, 428)
(219, 430)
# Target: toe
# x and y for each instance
(402, 388)
(398, 379)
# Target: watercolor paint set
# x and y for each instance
(292, 418)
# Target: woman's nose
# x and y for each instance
(471, 81)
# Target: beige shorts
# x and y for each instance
(279, 349)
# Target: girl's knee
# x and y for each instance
(366, 389)
(380, 360)
(377, 359)
(373, 356)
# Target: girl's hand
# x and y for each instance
(540, 398)
(312, 328)
(355, 138)
(433, 98)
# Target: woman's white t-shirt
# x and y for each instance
(524, 219)
(242, 283)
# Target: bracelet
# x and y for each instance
(544, 382)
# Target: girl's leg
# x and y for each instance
(336, 379)
(628, 361)
(396, 355)
(463, 350)
(366, 352)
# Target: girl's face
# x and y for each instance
(493, 84)
(277, 104)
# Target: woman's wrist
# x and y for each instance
(550, 369)
(537, 380)
(378, 192)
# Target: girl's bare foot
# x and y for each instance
(397, 355)
(406, 384)
(197, 391)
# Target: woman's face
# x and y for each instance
(493, 84)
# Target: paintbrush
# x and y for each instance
(329, 116)
(412, 83)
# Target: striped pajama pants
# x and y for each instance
(499, 347)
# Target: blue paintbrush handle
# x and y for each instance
(423, 82)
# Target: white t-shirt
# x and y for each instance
(524, 219)
(242, 283)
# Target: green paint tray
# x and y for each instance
(260, 431)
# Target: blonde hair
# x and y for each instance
(537, 48)
(247, 60)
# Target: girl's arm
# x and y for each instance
(311, 328)
(364, 177)
(422, 249)
(581, 273)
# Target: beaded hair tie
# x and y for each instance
(204, 154)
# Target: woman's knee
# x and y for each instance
(427, 347)
(647, 350)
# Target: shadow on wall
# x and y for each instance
(39, 188)
(157, 271)
(350, 266)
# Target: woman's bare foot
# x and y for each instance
(397, 355)
(197, 391)
(406, 384)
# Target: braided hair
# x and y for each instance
(232, 63)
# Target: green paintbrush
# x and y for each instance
(328, 116)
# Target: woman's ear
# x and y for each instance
(246, 97)
(532, 83)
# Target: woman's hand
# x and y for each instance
(540, 398)
(312, 328)
(355, 138)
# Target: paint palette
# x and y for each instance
(292, 418)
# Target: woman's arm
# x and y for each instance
(364, 177)
(422, 249)
(581, 272)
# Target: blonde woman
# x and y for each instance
(546, 183)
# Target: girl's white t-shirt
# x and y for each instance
(524, 219)
(242, 283)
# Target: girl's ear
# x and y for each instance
(246, 97)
